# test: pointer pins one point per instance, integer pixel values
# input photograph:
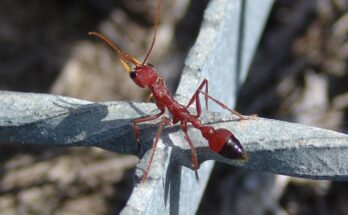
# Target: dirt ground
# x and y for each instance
(299, 75)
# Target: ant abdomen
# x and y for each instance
(223, 142)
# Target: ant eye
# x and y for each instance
(132, 74)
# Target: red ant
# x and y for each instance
(221, 140)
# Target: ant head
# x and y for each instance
(144, 75)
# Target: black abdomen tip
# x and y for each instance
(223, 142)
(233, 149)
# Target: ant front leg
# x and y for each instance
(140, 120)
(166, 121)
(195, 97)
(193, 149)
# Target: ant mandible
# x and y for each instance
(221, 140)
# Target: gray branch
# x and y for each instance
(273, 146)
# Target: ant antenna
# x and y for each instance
(124, 56)
(155, 31)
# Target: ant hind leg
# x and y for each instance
(195, 98)
(241, 117)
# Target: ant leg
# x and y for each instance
(242, 117)
(195, 97)
(193, 149)
(140, 120)
(166, 121)
(149, 98)
(154, 146)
